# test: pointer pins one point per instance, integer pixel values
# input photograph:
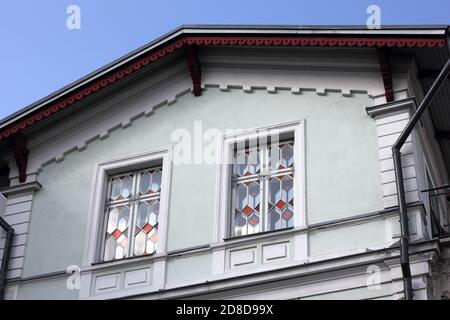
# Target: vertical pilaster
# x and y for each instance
(17, 214)
(391, 119)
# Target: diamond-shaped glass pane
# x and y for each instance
(144, 183)
(116, 188)
(154, 212)
(247, 162)
(110, 249)
(287, 189)
(142, 214)
(281, 202)
(274, 190)
(127, 187)
(124, 217)
(146, 227)
(152, 239)
(156, 181)
(281, 156)
(140, 243)
(150, 181)
(116, 238)
(113, 220)
(274, 219)
(247, 208)
(121, 188)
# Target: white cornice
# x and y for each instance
(22, 188)
(389, 108)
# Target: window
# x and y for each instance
(263, 188)
(131, 216)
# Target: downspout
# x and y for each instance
(6, 252)
(401, 197)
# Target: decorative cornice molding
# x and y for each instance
(22, 188)
(391, 107)
(224, 40)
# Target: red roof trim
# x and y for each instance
(225, 40)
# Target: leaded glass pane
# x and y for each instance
(281, 156)
(281, 202)
(247, 162)
(247, 218)
(116, 244)
(263, 188)
(121, 188)
(146, 229)
(150, 182)
(132, 197)
(156, 181)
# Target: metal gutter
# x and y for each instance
(6, 253)
(401, 196)
(318, 30)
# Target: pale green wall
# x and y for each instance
(351, 237)
(181, 270)
(342, 175)
(385, 291)
(53, 289)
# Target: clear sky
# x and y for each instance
(39, 54)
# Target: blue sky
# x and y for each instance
(39, 54)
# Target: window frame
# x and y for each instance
(133, 202)
(99, 190)
(263, 177)
(224, 190)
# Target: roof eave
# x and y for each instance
(437, 30)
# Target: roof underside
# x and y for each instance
(430, 63)
(428, 44)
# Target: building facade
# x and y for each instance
(223, 162)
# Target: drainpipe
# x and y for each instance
(401, 197)
(6, 252)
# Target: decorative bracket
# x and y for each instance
(21, 156)
(194, 68)
(386, 73)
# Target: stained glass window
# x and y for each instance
(131, 215)
(263, 188)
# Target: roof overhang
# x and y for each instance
(207, 35)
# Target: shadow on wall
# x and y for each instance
(4, 175)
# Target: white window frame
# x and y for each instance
(99, 187)
(132, 202)
(225, 153)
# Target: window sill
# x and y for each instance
(124, 262)
(123, 259)
(258, 237)
(257, 234)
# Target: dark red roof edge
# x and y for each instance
(222, 40)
